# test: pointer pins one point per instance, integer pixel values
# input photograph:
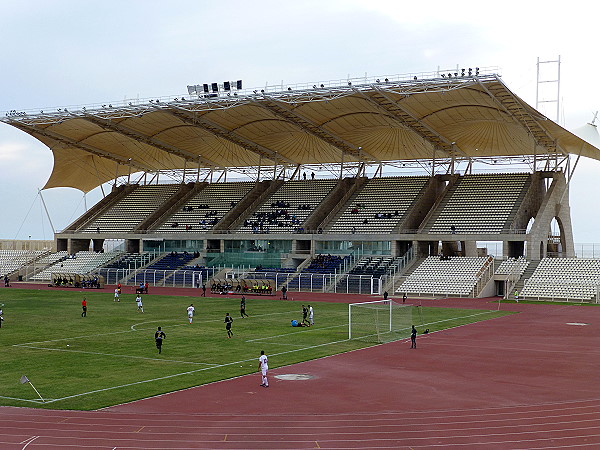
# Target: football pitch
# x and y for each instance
(109, 357)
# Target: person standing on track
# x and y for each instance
(138, 300)
(284, 292)
(158, 338)
(263, 366)
(84, 307)
(228, 322)
(413, 337)
(243, 307)
(190, 312)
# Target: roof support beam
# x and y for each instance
(513, 107)
(282, 110)
(109, 125)
(392, 108)
(32, 129)
(198, 121)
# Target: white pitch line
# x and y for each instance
(21, 399)
(112, 354)
(30, 441)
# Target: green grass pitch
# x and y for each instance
(109, 357)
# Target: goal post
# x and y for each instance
(379, 321)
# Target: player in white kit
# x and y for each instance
(263, 366)
(190, 311)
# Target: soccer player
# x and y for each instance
(413, 337)
(228, 322)
(305, 315)
(311, 315)
(263, 366)
(140, 306)
(117, 292)
(1, 317)
(158, 338)
(243, 307)
(84, 307)
(190, 311)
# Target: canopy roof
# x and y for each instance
(379, 121)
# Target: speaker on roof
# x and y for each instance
(227, 85)
(215, 87)
(205, 87)
(238, 84)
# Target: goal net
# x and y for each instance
(380, 321)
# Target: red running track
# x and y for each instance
(526, 380)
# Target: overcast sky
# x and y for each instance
(62, 53)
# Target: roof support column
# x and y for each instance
(259, 166)
(342, 167)
(184, 169)
(198, 173)
(116, 173)
(129, 172)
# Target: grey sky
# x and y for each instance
(62, 53)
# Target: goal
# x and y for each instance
(379, 321)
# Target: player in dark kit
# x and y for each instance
(413, 337)
(305, 315)
(158, 337)
(228, 322)
(243, 307)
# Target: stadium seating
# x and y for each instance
(132, 209)
(479, 204)
(11, 260)
(512, 266)
(206, 208)
(454, 276)
(162, 268)
(81, 263)
(379, 207)
(318, 273)
(564, 278)
(287, 208)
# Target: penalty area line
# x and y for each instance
(304, 330)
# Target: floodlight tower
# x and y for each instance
(556, 82)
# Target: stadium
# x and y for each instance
(443, 187)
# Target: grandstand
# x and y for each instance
(370, 184)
